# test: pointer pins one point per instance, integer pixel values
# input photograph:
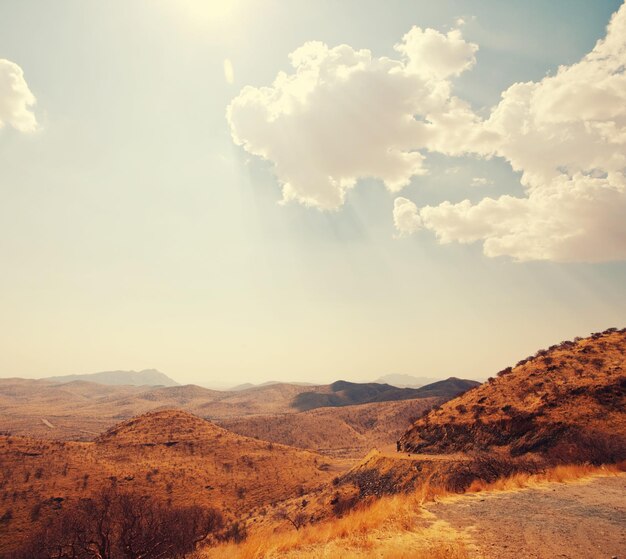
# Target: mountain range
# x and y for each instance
(147, 377)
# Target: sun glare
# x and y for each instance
(207, 13)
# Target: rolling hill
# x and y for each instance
(346, 431)
(563, 407)
(79, 410)
(171, 455)
(564, 404)
(343, 393)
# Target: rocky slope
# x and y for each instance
(564, 404)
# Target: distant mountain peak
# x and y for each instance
(344, 393)
(146, 377)
(405, 381)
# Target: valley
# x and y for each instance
(312, 279)
(267, 467)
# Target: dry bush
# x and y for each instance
(297, 519)
(560, 474)
(579, 447)
(484, 469)
(235, 532)
(114, 525)
(342, 504)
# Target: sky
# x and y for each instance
(243, 191)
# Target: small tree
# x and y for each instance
(297, 519)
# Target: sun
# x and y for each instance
(207, 13)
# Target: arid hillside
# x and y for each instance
(342, 393)
(562, 408)
(564, 404)
(348, 431)
(169, 455)
(80, 410)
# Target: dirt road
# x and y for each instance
(575, 520)
(458, 457)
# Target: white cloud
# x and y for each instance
(433, 55)
(567, 136)
(572, 220)
(343, 114)
(16, 98)
(406, 217)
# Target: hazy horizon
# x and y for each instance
(308, 191)
(226, 385)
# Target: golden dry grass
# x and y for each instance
(560, 474)
(392, 527)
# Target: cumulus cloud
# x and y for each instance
(343, 114)
(406, 216)
(16, 99)
(566, 134)
(434, 55)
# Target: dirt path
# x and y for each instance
(575, 520)
(389, 451)
(425, 457)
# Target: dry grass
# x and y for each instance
(559, 474)
(392, 527)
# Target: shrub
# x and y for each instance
(113, 525)
(236, 532)
(6, 517)
(297, 519)
(578, 446)
(35, 512)
(342, 504)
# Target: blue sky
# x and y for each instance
(135, 233)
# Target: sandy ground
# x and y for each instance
(585, 519)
